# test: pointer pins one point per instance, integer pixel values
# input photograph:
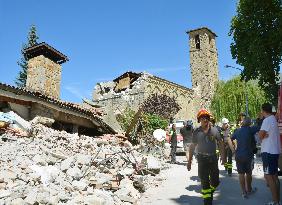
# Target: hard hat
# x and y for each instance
(203, 112)
(224, 121)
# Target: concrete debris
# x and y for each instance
(43, 120)
(12, 123)
(55, 167)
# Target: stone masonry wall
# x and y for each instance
(183, 96)
(204, 67)
(143, 88)
(44, 75)
(119, 101)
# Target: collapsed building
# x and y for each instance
(41, 96)
(132, 89)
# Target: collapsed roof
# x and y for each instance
(23, 96)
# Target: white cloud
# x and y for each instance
(74, 90)
(77, 91)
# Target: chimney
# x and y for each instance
(44, 69)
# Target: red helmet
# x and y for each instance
(203, 112)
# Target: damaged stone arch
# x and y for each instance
(175, 94)
(166, 92)
(157, 89)
(149, 88)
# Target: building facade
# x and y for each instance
(131, 89)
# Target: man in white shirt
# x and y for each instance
(270, 150)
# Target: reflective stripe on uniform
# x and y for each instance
(206, 196)
(206, 193)
(212, 188)
(229, 165)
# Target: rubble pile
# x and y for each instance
(106, 90)
(55, 167)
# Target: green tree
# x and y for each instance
(229, 99)
(31, 41)
(145, 127)
(257, 45)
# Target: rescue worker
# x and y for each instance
(205, 138)
(187, 131)
(228, 146)
(173, 144)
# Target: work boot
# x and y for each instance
(208, 201)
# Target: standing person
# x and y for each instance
(205, 138)
(241, 118)
(228, 148)
(244, 155)
(270, 150)
(187, 131)
(173, 144)
(212, 121)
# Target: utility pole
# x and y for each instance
(245, 88)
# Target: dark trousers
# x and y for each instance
(228, 164)
(209, 175)
(173, 152)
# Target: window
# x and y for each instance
(197, 42)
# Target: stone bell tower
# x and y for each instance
(44, 69)
(203, 65)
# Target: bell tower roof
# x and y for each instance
(47, 51)
(202, 29)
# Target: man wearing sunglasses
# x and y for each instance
(205, 138)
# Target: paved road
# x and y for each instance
(182, 187)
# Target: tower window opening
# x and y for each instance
(197, 42)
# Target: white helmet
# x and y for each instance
(224, 121)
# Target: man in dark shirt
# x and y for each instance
(173, 144)
(205, 138)
(187, 131)
(244, 155)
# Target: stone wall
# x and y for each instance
(44, 75)
(104, 94)
(145, 86)
(204, 66)
(183, 96)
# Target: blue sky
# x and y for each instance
(103, 39)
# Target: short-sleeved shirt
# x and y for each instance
(271, 144)
(186, 134)
(173, 140)
(206, 141)
(225, 134)
(245, 137)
